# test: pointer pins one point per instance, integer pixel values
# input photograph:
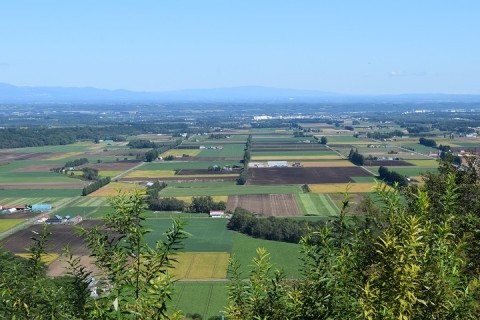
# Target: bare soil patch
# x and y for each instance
(387, 163)
(6, 156)
(311, 175)
(277, 205)
(62, 235)
(19, 215)
(36, 168)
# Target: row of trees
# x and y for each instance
(356, 158)
(271, 228)
(153, 154)
(203, 204)
(414, 256)
(242, 178)
(94, 186)
(75, 163)
(392, 177)
(377, 135)
(428, 142)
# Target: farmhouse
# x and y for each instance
(217, 213)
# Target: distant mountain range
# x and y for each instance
(16, 94)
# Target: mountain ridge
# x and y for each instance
(44, 94)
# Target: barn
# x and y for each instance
(41, 207)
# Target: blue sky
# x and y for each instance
(338, 46)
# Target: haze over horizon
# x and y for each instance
(158, 46)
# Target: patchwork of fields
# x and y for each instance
(313, 185)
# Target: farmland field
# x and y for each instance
(273, 176)
(327, 163)
(406, 171)
(205, 298)
(114, 188)
(424, 163)
(207, 235)
(200, 265)
(12, 201)
(175, 165)
(39, 193)
(181, 152)
(228, 151)
(7, 224)
(228, 190)
(341, 187)
(283, 255)
(266, 204)
(317, 204)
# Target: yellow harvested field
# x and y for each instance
(65, 155)
(338, 163)
(343, 187)
(273, 158)
(424, 163)
(200, 265)
(151, 174)
(181, 152)
(46, 258)
(188, 199)
(114, 188)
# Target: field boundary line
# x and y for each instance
(327, 205)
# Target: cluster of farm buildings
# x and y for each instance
(38, 208)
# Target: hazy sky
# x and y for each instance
(384, 46)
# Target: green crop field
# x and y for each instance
(204, 298)
(90, 212)
(419, 147)
(91, 202)
(293, 153)
(7, 224)
(207, 234)
(283, 255)
(174, 165)
(364, 179)
(317, 204)
(11, 201)
(39, 193)
(34, 177)
(228, 151)
(230, 190)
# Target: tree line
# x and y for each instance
(392, 177)
(271, 228)
(94, 186)
(356, 158)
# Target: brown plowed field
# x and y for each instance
(266, 204)
(6, 156)
(37, 168)
(61, 236)
(312, 175)
(387, 163)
